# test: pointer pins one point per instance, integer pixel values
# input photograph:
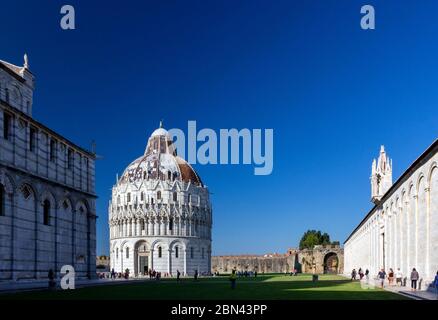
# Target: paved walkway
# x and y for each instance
(418, 295)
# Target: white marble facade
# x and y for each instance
(160, 215)
(47, 192)
(401, 230)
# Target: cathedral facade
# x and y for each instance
(160, 214)
(47, 198)
(401, 230)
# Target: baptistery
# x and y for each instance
(160, 215)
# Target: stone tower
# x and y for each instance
(381, 176)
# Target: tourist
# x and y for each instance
(178, 274)
(381, 276)
(414, 278)
(390, 276)
(255, 274)
(353, 275)
(360, 274)
(51, 277)
(398, 277)
(196, 275)
(113, 274)
(233, 279)
(367, 274)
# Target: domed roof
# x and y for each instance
(160, 131)
(160, 162)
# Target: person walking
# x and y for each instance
(178, 275)
(414, 278)
(353, 275)
(233, 279)
(113, 274)
(367, 275)
(360, 272)
(382, 275)
(398, 277)
(390, 276)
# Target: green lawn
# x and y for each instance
(271, 287)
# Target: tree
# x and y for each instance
(313, 238)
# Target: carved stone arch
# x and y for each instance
(156, 243)
(177, 242)
(63, 201)
(15, 89)
(27, 184)
(411, 190)
(47, 194)
(82, 206)
(113, 246)
(123, 245)
(433, 166)
(7, 182)
(421, 176)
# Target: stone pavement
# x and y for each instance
(417, 295)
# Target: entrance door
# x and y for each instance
(143, 267)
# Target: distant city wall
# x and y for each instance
(321, 259)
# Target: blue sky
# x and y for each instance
(332, 92)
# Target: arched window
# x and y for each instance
(191, 253)
(128, 197)
(171, 224)
(117, 253)
(152, 200)
(160, 252)
(142, 196)
(169, 175)
(127, 253)
(176, 252)
(202, 253)
(7, 121)
(175, 196)
(46, 212)
(2, 200)
(158, 195)
(7, 95)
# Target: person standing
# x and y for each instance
(113, 274)
(196, 275)
(381, 275)
(51, 276)
(233, 279)
(367, 275)
(414, 278)
(398, 277)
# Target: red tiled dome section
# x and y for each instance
(187, 172)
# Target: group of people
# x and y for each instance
(394, 278)
(119, 275)
(246, 274)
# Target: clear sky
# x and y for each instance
(332, 92)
